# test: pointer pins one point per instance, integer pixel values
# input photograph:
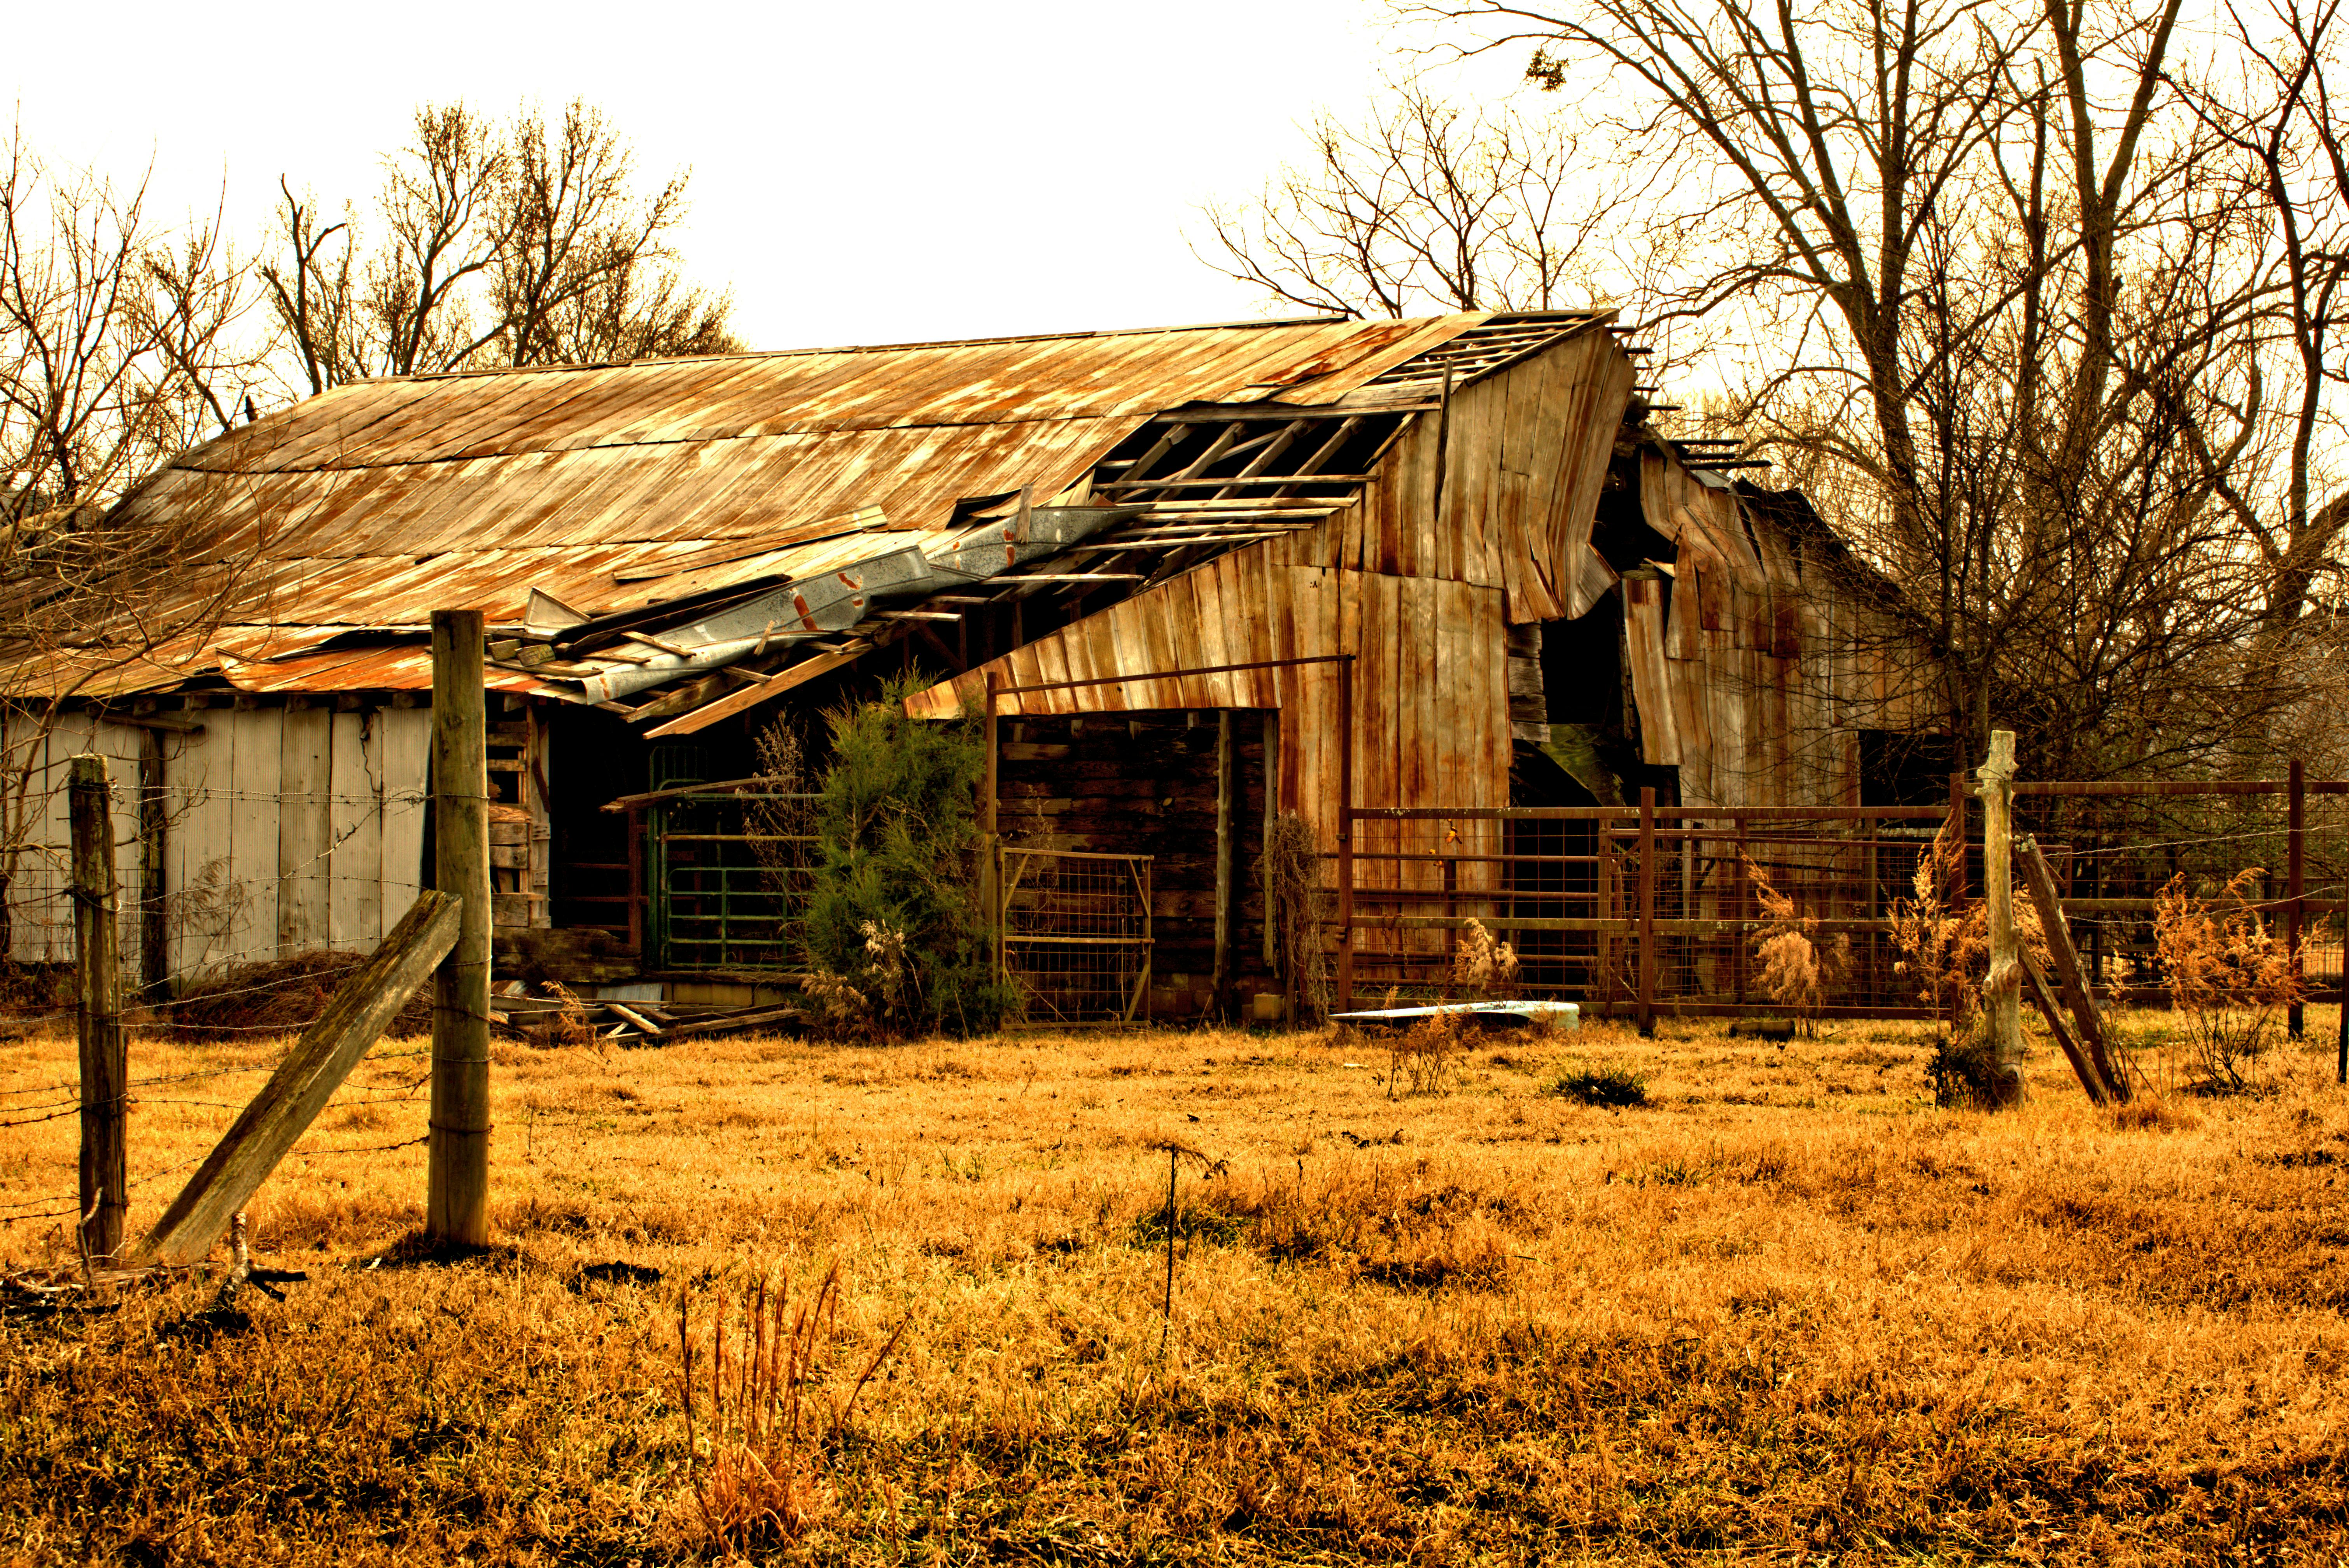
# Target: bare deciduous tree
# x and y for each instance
(120, 345)
(1982, 282)
(514, 244)
(1427, 204)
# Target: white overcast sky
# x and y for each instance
(861, 174)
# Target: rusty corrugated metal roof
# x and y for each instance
(620, 488)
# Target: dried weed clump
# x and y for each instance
(1945, 955)
(2228, 976)
(1795, 972)
(864, 1004)
(1298, 908)
(760, 1447)
(1425, 1058)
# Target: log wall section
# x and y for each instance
(1144, 784)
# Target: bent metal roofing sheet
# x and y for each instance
(616, 487)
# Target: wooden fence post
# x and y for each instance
(105, 1068)
(2295, 914)
(303, 1083)
(457, 1189)
(991, 843)
(2003, 988)
(1647, 1005)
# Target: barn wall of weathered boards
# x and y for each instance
(1542, 597)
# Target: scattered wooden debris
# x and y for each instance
(568, 1019)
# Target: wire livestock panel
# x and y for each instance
(1697, 905)
(1565, 888)
(1075, 935)
(2116, 850)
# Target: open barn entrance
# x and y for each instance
(1155, 785)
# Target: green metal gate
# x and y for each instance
(727, 871)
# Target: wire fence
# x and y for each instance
(1676, 907)
(1075, 934)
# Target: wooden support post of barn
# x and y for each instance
(2003, 988)
(2295, 912)
(105, 1067)
(1346, 835)
(303, 1083)
(456, 1190)
(1228, 789)
(991, 843)
(1271, 823)
(1647, 1002)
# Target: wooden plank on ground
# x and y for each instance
(298, 1091)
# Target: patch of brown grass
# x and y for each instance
(1787, 1308)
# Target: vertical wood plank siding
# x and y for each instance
(282, 836)
(1421, 597)
(1764, 671)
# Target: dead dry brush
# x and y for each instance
(2228, 975)
(1425, 1058)
(1797, 969)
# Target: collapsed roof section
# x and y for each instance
(682, 540)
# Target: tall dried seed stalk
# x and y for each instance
(1795, 972)
(762, 1484)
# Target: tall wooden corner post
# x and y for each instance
(457, 1192)
(105, 1067)
(2002, 988)
(990, 841)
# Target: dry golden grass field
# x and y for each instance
(1788, 1310)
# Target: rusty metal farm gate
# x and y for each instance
(1650, 908)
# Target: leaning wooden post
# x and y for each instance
(105, 1068)
(2071, 976)
(268, 1128)
(457, 1192)
(2003, 988)
(2295, 913)
(1647, 910)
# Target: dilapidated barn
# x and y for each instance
(1542, 600)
